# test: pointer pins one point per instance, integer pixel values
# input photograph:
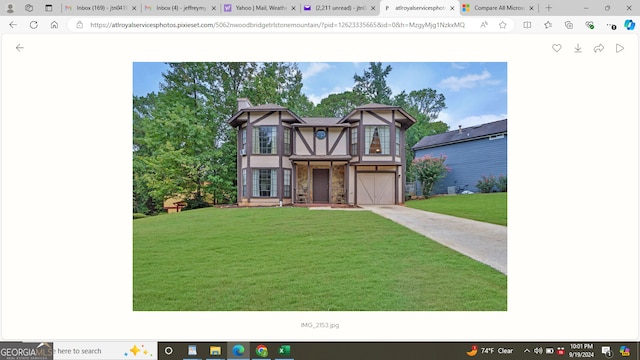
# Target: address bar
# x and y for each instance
(235, 25)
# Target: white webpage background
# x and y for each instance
(573, 188)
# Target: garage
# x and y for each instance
(376, 188)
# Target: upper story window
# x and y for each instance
(354, 141)
(287, 141)
(376, 140)
(243, 139)
(397, 141)
(264, 140)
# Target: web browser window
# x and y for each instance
(303, 180)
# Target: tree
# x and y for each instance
(280, 84)
(339, 105)
(429, 170)
(424, 105)
(183, 145)
(373, 84)
(143, 201)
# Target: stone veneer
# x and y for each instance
(337, 183)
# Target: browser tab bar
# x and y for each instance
(550, 8)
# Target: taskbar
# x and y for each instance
(296, 350)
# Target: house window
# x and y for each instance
(287, 141)
(264, 140)
(354, 141)
(243, 139)
(286, 190)
(376, 139)
(265, 183)
(244, 183)
(397, 141)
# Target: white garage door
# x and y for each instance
(376, 188)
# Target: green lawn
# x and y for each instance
(491, 208)
(298, 259)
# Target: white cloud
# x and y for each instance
(459, 66)
(314, 69)
(336, 90)
(469, 120)
(466, 82)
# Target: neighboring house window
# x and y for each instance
(286, 190)
(287, 141)
(354, 141)
(244, 183)
(377, 139)
(243, 135)
(397, 142)
(264, 140)
(265, 183)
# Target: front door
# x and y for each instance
(320, 185)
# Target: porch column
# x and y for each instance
(309, 181)
(330, 181)
(294, 184)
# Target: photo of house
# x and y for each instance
(287, 159)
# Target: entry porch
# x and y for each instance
(320, 182)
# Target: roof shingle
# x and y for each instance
(461, 135)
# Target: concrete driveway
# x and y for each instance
(481, 241)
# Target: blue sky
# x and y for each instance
(475, 93)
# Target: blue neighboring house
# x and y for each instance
(471, 152)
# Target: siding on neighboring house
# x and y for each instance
(485, 154)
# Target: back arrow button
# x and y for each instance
(18, 47)
(12, 24)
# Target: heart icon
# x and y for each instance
(556, 47)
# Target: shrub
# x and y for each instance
(502, 183)
(428, 170)
(486, 183)
(138, 216)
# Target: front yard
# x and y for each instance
(491, 207)
(298, 259)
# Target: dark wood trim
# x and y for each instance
(346, 183)
(309, 192)
(249, 153)
(355, 185)
(403, 161)
(314, 140)
(326, 140)
(392, 134)
(306, 144)
(376, 171)
(239, 167)
(264, 116)
(395, 187)
(294, 183)
(330, 152)
(330, 175)
(378, 117)
(280, 137)
(375, 163)
(360, 137)
(293, 140)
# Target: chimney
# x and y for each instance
(243, 103)
(459, 126)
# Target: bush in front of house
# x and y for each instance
(486, 183)
(502, 183)
(139, 216)
(428, 170)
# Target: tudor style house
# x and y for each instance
(286, 159)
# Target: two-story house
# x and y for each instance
(286, 159)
